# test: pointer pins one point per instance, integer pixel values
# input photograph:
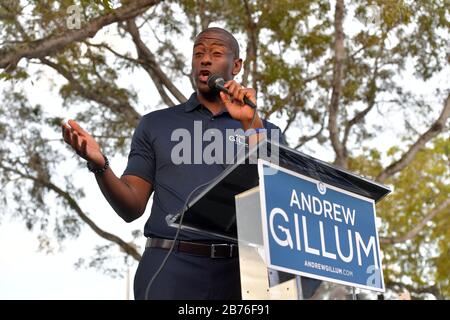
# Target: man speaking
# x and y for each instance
(191, 271)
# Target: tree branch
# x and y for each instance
(126, 247)
(409, 155)
(289, 122)
(7, 16)
(122, 56)
(371, 95)
(178, 63)
(204, 19)
(151, 66)
(158, 85)
(47, 46)
(415, 231)
(305, 139)
(252, 49)
(370, 104)
(125, 109)
(356, 119)
(339, 148)
(434, 290)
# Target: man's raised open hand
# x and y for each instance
(82, 143)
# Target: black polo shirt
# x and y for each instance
(156, 137)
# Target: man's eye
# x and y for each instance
(217, 53)
(198, 54)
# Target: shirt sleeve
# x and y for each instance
(141, 159)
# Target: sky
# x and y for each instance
(26, 273)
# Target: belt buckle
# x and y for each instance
(213, 250)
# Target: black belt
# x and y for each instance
(213, 250)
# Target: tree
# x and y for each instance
(332, 72)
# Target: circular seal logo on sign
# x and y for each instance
(321, 188)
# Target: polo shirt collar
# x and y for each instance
(193, 103)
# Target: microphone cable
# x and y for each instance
(184, 208)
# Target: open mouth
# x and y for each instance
(204, 75)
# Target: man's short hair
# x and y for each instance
(233, 42)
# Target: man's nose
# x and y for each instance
(206, 59)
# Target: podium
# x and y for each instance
(267, 202)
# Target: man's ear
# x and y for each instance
(237, 66)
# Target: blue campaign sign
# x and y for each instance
(317, 230)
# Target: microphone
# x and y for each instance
(216, 82)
